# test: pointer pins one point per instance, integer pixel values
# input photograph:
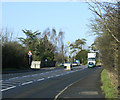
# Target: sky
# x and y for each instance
(70, 17)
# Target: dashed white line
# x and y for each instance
(7, 85)
(40, 79)
(51, 77)
(8, 88)
(57, 75)
(27, 83)
(61, 74)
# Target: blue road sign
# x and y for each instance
(29, 56)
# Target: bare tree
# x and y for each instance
(107, 16)
(99, 9)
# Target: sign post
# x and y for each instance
(29, 54)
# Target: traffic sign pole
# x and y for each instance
(29, 59)
(29, 54)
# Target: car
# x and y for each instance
(74, 64)
(61, 64)
(90, 65)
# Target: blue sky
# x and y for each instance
(71, 17)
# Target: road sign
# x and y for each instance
(45, 59)
(29, 53)
(29, 56)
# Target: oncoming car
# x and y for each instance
(74, 64)
(90, 65)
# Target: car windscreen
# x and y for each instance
(90, 63)
(91, 59)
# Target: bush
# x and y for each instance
(13, 55)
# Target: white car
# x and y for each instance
(74, 64)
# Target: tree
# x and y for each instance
(93, 46)
(82, 56)
(106, 26)
(14, 56)
(13, 53)
(44, 46)
(31, 42)
(111, 12)
(77, 45)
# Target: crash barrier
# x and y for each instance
(42, 64)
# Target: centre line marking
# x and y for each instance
(40, 79)
(8, 88)
(7, 85)
(57, 75)
(27, 83)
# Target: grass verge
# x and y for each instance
(107, 87)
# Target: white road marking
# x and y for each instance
(8, 88)
(7, 85)
(62, 91)
(65, 89)
(57, 75)
(88, 93)
(40, 79)
(1, 80)
(47, 72)
(51, 77)
(10, 83)
(61, 74)
(27, 83)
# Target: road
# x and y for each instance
(45, 84)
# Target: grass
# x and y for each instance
(107, 86)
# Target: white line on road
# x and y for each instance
(51, 77)
(7, 85)
(27, 83)
(62, 91)
(61, 74)
(8, 88)
(1, 80)
(57, 75)
(40, 79)
(66, 88)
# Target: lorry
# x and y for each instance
(91, 59)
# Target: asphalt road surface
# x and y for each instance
(45, 84)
